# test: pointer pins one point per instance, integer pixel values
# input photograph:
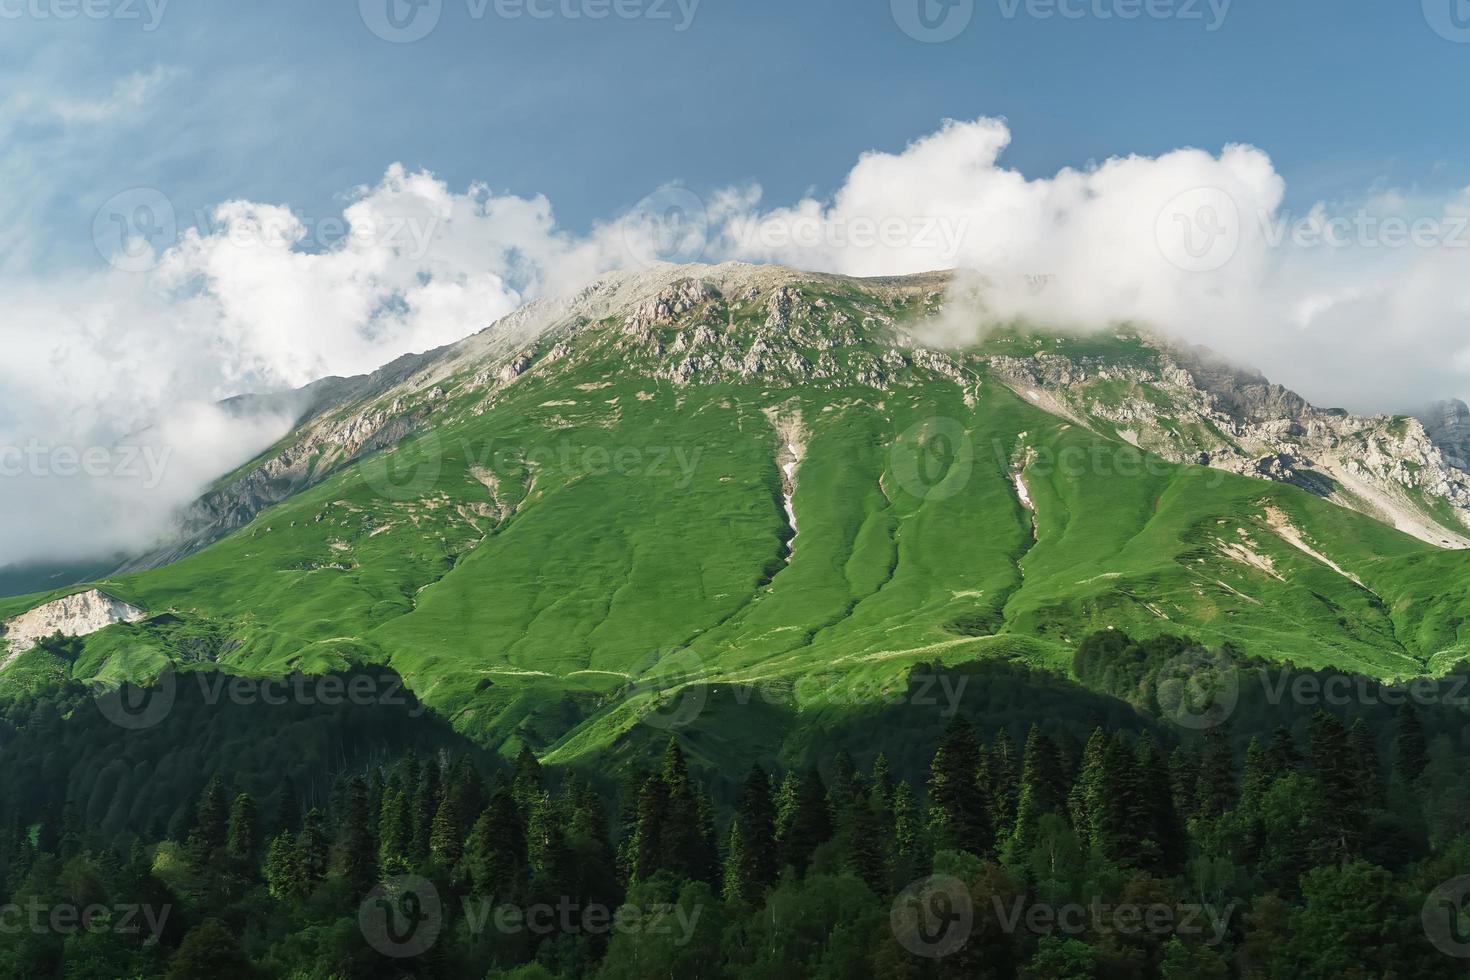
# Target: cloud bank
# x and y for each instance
(1359, 303)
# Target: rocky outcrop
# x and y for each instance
(1191, 407)
(81, 614)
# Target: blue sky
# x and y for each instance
(500, 156)
(290, 102)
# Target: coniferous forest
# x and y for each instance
(1040, 829)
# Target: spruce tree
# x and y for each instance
(1165, 841)
(1005, 780)
(1042, 789)
(244, 829)
(446, 842)
(313, 850)
(959, 815)
(751, 863)
(1216, 774)
(1366, 770)
(1282, 756)
(426, 799)
(358, 853)
(909, 855)
(281, 869)
(811, 823)
(288, 810)
(496, 850)
(1256, 777)
(211, 825)
(1411, 750)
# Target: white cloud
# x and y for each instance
(1345, 302)
(258, 296)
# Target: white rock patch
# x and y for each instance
(81, 614)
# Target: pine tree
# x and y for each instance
(958, 811)
(1366, 770)
(882, 791)
(751, 861)
(1282, 756)
(283, 878)
(845, 788)
(496, 850)
(313, 850)
(786, 803)
(426, 799)
(1088, 788)
(1411, 751)
(356, 846)
(446, 841)
(909, 854)
(1184, 775)
(288, 811)
(1257, 776)
(467, 788)
(1217, 774)
(527, 780)
(211, 825)
(1164, 838)
(811, 823)
(1333, 767)
(1042, 789)
(243, 833)
(395, 825)
(1005, 780)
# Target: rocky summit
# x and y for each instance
(702, 476)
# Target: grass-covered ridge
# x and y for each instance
(602, 522)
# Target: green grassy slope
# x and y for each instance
(596, 527)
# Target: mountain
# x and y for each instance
(704, 479)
